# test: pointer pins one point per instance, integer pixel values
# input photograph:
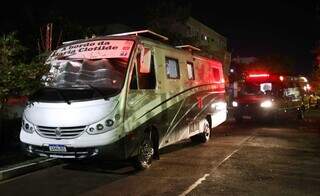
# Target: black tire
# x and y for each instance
(145, 153)
(195, 138)
(300, 114)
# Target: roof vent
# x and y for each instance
(144, 33)
(188, 48)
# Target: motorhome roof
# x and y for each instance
(144, 33)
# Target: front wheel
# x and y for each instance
(145, 153)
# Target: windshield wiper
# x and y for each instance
(62, 96)
(98, 91)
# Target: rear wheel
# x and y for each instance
(204, 136)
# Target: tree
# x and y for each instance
(18, 77)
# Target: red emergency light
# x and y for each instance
(259, 75)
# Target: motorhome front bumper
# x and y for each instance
(111, 151)
(76, 153)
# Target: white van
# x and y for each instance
(123, 96)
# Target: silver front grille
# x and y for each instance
(60, 132)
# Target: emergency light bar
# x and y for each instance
(258, 75)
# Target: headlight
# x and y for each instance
(219, 105)
(27, 126)
(102, 126)
(266, 104)
(234, 104)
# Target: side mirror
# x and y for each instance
(145, 60)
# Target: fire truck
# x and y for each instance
(268, 96)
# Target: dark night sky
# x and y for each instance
(253, 28)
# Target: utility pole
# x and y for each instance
(48, 45)
(45, 38)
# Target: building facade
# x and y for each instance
(209, 41)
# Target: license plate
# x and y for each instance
(57, 148)
(246, 117)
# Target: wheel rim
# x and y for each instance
(146, 153)
(207, 132)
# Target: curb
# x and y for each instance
(27, 167)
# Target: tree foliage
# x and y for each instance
(18, 77)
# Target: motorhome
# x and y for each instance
(268, 96)
(123, 96)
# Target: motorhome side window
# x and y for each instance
(146, 72)
(147, 80)
(190, 71)
(172, 67)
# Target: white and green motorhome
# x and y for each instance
(123, 96)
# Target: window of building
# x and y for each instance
(190, 71)
(172, 66)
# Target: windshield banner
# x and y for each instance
(98, 49)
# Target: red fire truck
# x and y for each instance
(265, 96)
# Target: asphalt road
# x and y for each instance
(246, 159)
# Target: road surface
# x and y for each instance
(240, 159)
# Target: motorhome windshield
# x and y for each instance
(99, 66)
(99, 73)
